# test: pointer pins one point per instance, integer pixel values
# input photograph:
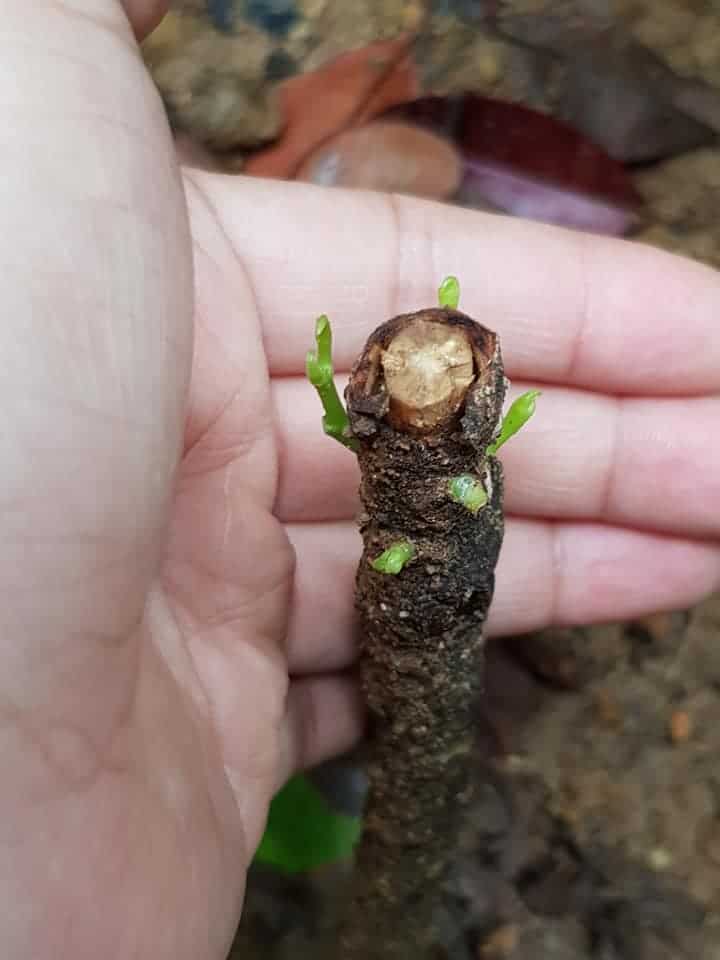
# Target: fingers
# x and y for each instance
(547, 574)
(321, 634)
(569, 574)
(629, 462)
(317, 479)
(592, 312)
(634, 462)
(324, 718)
(229, 417)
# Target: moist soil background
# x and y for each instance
(636, 75)
(596, 833)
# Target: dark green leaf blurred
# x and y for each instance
(303, 832)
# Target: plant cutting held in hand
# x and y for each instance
(424, 405)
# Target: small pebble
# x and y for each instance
(657, 625)
(680, 726)
(659, 859)
(501, 943)
(387, 156)
(607, 710)
(412, 16)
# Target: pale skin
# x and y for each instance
(178, 542)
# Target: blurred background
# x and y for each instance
(597, 831)
(599, 113)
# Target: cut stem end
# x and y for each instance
(428, 368)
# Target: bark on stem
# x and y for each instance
(424, 401)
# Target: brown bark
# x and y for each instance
(424, 402)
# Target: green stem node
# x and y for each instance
(394, 558)
(319, 370)
(449, 293)
(517, 416)
(468, 491)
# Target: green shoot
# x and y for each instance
(468, 491)
(449, 293)
(517, 416)
(319, 369)
(394, 558)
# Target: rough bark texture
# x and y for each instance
(422, 646)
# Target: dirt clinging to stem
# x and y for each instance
(424, 401)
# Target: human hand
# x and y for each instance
(163, 669)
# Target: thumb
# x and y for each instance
(96, 344)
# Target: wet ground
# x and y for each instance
(597, 828)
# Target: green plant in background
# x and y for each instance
(303, 832)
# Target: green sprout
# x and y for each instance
(449, 293)
(517, 416)
(468, 491)
(394, 558)
(319, 369)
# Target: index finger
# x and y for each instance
(594, 312)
